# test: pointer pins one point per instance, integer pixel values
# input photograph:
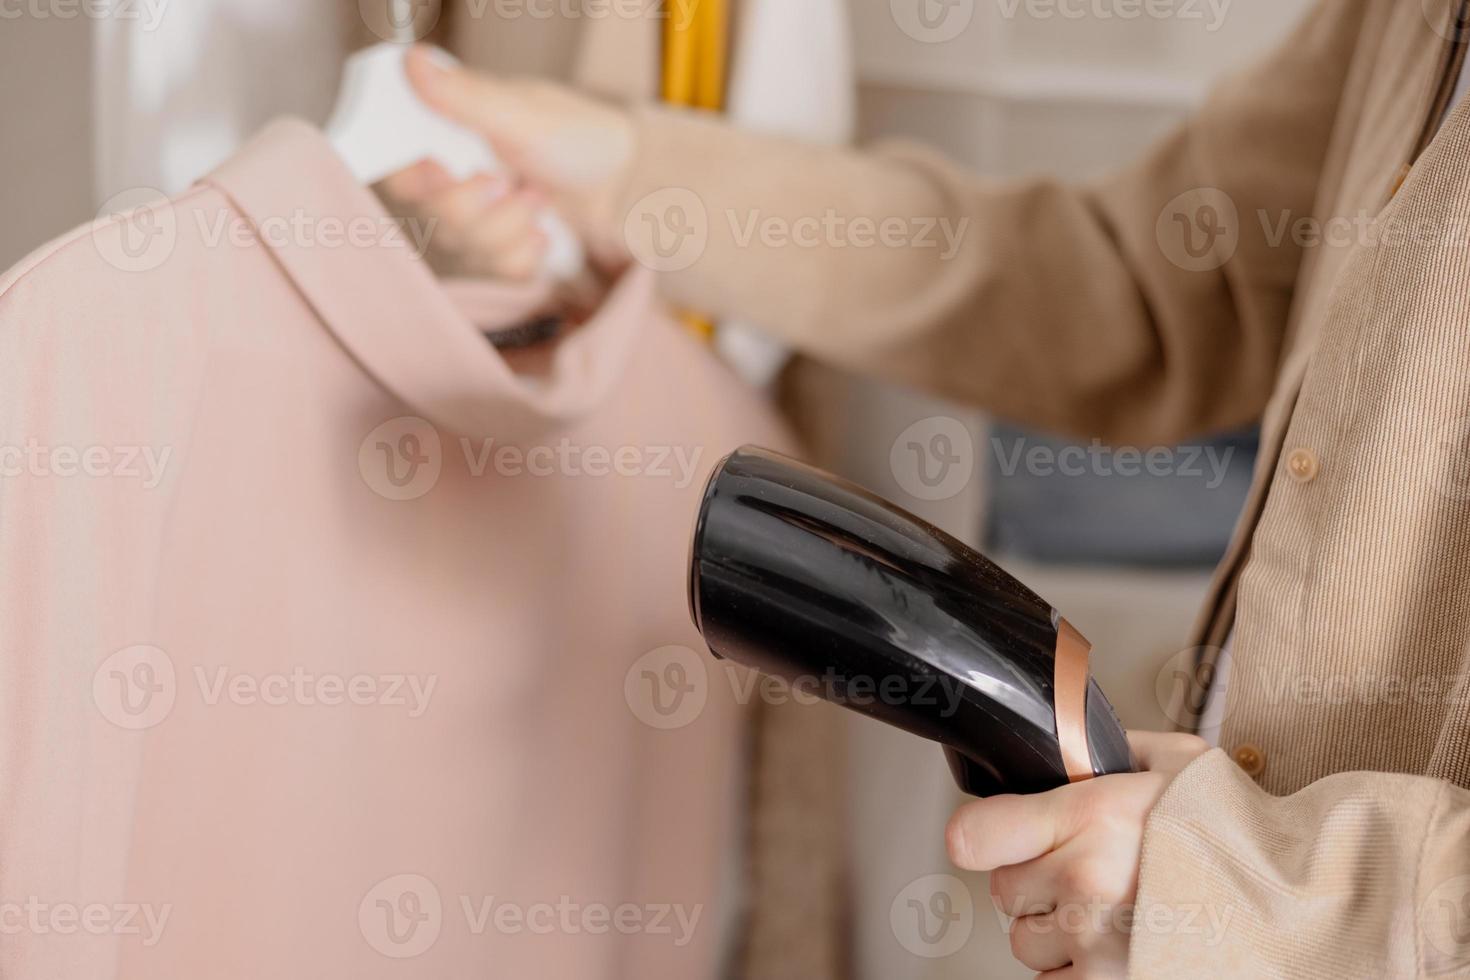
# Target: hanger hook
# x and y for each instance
(402, 18)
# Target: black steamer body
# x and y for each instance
(801, 575)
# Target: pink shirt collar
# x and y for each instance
(411, 332)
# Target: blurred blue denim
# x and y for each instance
(1083, 503)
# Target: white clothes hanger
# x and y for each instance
(380, 125)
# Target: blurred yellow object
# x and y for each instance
(712, 42)
(681, 50)
(701, 326)
(695, 55)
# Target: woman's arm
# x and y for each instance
(1143, 308)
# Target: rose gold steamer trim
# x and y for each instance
(1070, 693)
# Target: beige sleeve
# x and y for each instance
(1358, 875)
(1075, 308)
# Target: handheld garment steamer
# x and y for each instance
(799, 574)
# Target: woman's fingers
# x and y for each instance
(519, 119)
(519, 260)
(461, 206)
(1038, 942)
(507, 222)
(1024, 889)
(414, 184)
(1005, 830)
(483, 226)
(1065, 973)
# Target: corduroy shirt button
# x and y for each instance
(1250, 759)
(1303, 465)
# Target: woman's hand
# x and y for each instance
(484, 227)
(574, 149)
(1064, 864)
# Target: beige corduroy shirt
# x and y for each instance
(1297, 254)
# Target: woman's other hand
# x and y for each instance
(1064, 864)
(575, 150)
(483, 227)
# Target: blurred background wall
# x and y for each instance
(46, 150)
(151, 93)
(156, 99)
